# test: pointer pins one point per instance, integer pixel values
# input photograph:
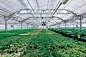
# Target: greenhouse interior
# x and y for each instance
(42, 28)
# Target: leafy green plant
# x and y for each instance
(69, 32)
(10, 33)
(44, 44)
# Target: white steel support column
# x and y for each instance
(73, 26)
(21, 25)
(65, 24)
(5, 24)
(27, 25)
(81, 17)
(13, 27)
(59, 24)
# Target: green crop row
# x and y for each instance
(10, 33)
(42, 43)
(69, 32)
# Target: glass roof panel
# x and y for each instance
(41, 9)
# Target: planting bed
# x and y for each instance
(69, 32)
(10, 33)
(41, 43)
(72, 33)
